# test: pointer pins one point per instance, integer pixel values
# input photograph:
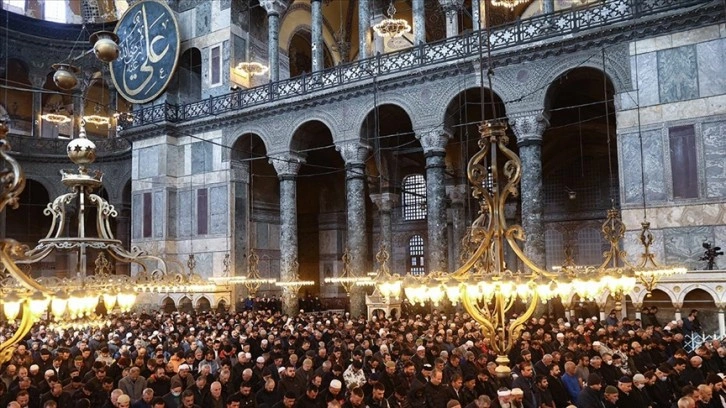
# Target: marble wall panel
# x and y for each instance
(137, 215)
(185, 202)
(719, 236)
(684, 245)
(655, 183)
(225, 4)
(714, 149)
(677, 74)
(204, 18)
(148, 162)
(630, 172)
(218, 209)
(711, 57)
(646, 79)
(202, 157)
(172, 217)
(159, 214)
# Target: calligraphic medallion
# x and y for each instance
(149, 51)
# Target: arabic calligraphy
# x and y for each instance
(149, 51)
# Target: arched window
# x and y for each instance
(416, 255)
(414, 197)
(55, 11)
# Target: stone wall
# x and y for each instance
(679, 84)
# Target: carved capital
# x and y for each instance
(529, 126)
(451, 6)
(274, 7)
(457, 193)
(385, 201)
(434, 139)
(287, 164)
(353, 152)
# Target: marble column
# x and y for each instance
(419, 22)
(287, 167)
(385, 203)
(548, 6)
(317, 34)
(476, 15)
(529, 128)
(457, 195)
(112, 109)
(354, 154)
(364, 28)
(721, 321)
(274, 9)
(434, 143)
(38, 81)
(678, 315)
(239, 180)
(451, 11)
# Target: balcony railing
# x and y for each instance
(471, 45)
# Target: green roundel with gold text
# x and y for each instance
(149, 50)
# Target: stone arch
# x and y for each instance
(187, 82)
(168, 305)
(327, 118)
(236, 133)
(203, 304)
(398, 100)
(296, 144)
(299, 16)
(696, 286)
(185, 305)
(642, 296)
(616, 75)
(222, 305)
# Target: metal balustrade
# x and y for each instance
(561, 24)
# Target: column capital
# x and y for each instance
(529, 127)
(457, 193)
(353, 152)
(287, 164)
(434, 139)
(385, 201)
(274, 7)
(451, 6)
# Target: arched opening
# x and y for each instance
(185, 305)
(168, 305)
(203, 304)
(256, 204)
(300, 53)
(27, 224)
(321, 210)
(582, 309)
(396, 155)
(19, 102)
(660, 307)
(707, 317)
(464, 113)
(579, 164)
(188, 84)
(222, 306)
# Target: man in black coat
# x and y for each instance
(559, 393)
(435, 392)
(590, 397)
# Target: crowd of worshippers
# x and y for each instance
(264, 359)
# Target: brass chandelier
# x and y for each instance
(392, 27)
